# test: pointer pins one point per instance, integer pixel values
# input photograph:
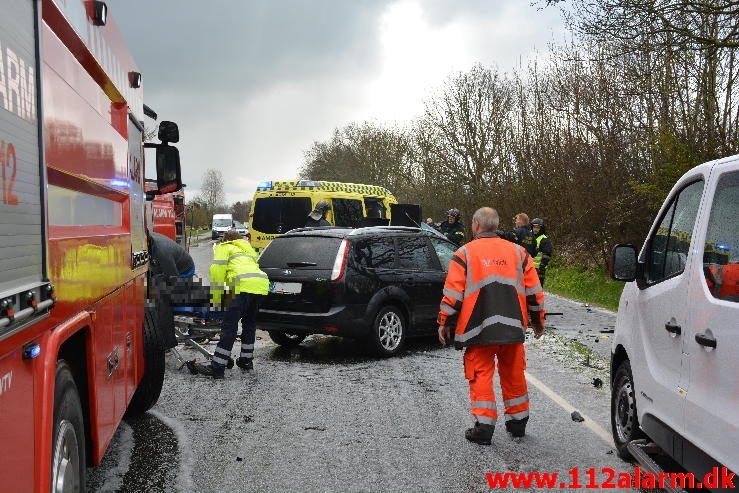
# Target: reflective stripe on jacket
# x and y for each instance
(492, 290)
(236, 270)
(543, 251)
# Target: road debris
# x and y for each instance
(577, 417)
(597, 383)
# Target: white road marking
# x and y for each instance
(559, 400)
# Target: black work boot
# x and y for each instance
(205, 369)
(517, 427)
(245, 363)
(480, 433)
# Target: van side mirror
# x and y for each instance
(624, 263)
(169, 175)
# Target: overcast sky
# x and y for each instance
(252, 84)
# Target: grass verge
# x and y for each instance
(592, 286)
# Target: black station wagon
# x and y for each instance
(381, 284)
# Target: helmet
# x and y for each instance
(454, 213)
(322, 206)
(537, 221)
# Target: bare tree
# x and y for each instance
(211, 190)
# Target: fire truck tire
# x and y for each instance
(150, 387)
(68, 464)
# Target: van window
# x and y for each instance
(222, 222)
(375, 208)
(670, 244)
(347, 212)
(721, 254)
(374, 253)
(414, 253)
(277, 215)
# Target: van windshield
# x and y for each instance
(222, 223)
(277, 215)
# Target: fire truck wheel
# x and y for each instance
(150, 387)
(68, 448)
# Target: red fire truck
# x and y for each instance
(78, 346)
(166, 214)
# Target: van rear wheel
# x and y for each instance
(624, 417)
(286, 339)
(68, 448)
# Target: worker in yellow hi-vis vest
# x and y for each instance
(235, 270)
(544, 248)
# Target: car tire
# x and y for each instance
(388, 331)
(286, 339)
(624, 416)
(68, 463)
(147, 393)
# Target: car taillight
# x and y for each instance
(340, 262)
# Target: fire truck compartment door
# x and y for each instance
(22, 225)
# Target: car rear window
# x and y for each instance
(300, 252)
(277, 215)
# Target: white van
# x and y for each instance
(675, 354)
(221, 223)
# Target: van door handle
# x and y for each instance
(673, 328)
(706, 340)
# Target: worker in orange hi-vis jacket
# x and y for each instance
(491, 294)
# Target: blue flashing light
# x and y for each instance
(31, 351)
(265, 185)
(307, 183)
(722, 246)
(119, 183)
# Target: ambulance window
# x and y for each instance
(277, 215)
(347, 212)
(721, 254)
(374, 207)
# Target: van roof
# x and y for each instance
(323, 186)
(222, 215)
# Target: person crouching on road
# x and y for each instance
(235, 267)
(492, 292)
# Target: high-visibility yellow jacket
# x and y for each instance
(235, 270)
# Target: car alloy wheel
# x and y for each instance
(390, 331)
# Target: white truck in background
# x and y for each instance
(220, 224)
(675, 354)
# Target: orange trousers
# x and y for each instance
(479, 369)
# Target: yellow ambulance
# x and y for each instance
(280, 206)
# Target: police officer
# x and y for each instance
(452, 228)
(235, 266)
(544, 248)
(317, 218)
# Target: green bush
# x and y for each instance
(591, 285)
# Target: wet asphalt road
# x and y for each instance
(327, 416)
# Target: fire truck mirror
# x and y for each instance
(169, 177)
(169, 132)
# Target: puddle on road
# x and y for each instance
(144, 456)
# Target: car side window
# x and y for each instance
(721, 252)
(375, 253)
(670, 244)
(445, 252)
(414, 253)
